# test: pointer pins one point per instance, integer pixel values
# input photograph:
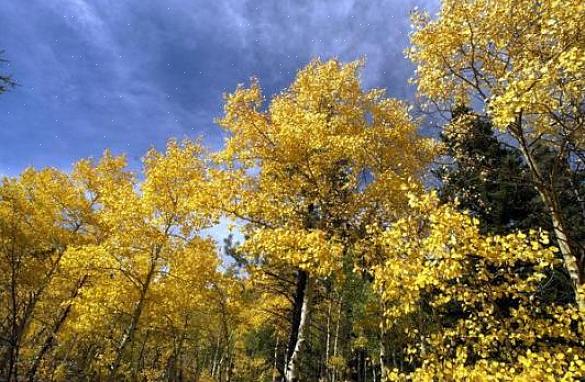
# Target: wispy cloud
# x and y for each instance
(131, 74)
(83, 17)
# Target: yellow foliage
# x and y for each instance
(322, 156)
(475, 303)
(519, 57)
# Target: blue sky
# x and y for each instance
(128, 75)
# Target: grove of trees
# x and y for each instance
(370, 251)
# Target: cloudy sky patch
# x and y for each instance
(129, 75)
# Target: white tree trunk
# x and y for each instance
(292, 369)
(549, 198)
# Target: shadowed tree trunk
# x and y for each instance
(299, 320)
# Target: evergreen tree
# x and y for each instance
(487, 177)
(490, 180)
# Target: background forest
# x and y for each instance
(365, 247)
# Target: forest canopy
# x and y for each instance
(368, 249)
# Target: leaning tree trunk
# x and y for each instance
(550, 199)
(50, 340)
(299, 322)
(128, 335)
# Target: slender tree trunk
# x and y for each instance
(230, 365)
(550, 199)
(336, 339)
(141, 356)
(220, 367)
(128, 336)
(50, 340)
(19, 325)
(13, 346)
(382, 350)
(364, 366)
(299, 321)
(328, 341)
(178, 366)
(285, 363)
(216, 355)
(274, 367)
